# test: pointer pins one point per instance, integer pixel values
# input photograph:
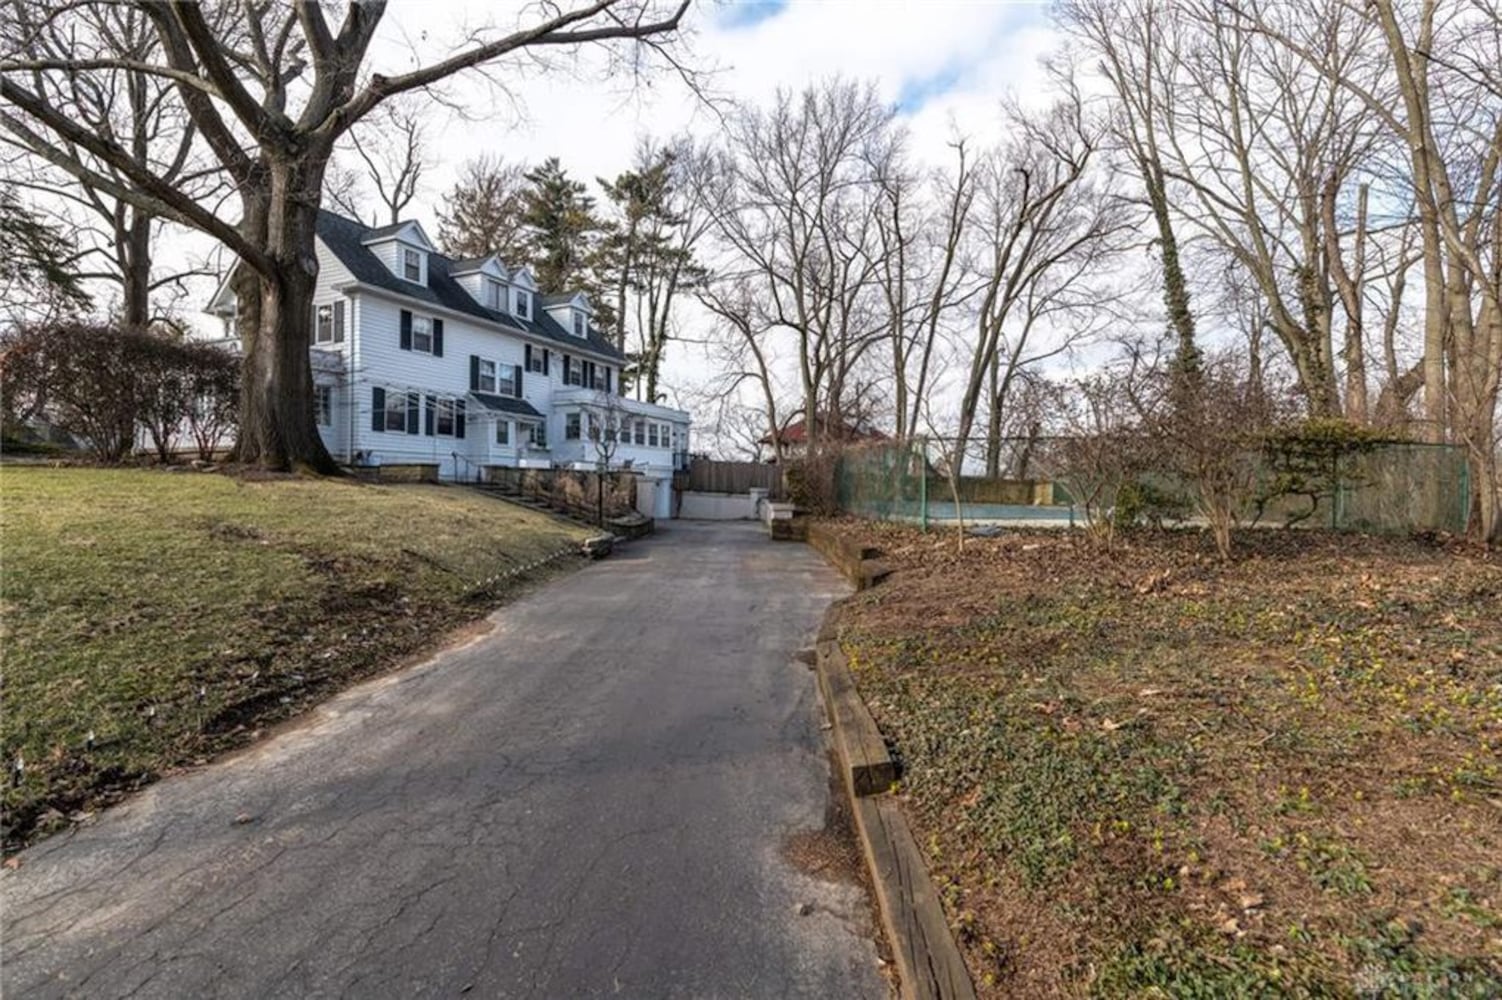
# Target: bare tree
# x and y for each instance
(116, 235)
(794, 203)
(1447, 115)
(482, 213)
(1045, 232)
(386, 153)
(1135, 40)
(923, 274)
(271, 91)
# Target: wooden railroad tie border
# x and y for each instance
(929, 963)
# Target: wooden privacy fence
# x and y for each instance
(708, 476)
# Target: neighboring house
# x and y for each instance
(794, 438)
(465, 364)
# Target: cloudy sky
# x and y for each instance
(945, 64)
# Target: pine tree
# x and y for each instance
(561, 229)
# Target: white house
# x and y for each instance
(466, 364)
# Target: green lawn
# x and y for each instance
(172, 615)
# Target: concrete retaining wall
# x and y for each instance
(717, 506)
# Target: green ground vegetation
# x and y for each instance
(152, 619)
(1147, 773)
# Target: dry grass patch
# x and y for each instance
(1147, 773)
(152, 619)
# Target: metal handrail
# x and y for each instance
(479, 469)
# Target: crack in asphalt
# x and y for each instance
(587, 801)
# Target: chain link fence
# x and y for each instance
(1384, 488)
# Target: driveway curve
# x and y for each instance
(590, 800)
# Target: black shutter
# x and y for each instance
(414, 408)
(607, 380)
(545, 353)
(565, 369)
(518, 381)
(527, 363)
(377, 409)
(474, 373)
(339, 322)
(437, 338)
(406, 329)
(427, 416)
(458, 418)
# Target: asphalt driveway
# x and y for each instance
(591, 800)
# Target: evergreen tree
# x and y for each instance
(561, 229)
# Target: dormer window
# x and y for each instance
(523, 304)
(579, 324)
(411, 265)
(495, 294)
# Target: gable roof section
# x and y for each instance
(346, 240)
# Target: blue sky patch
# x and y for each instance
(746, 13)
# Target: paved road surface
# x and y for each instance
(589, 801)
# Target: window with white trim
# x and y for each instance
(523, 304)
(396, 411)
(505, 383)
(536, 360)
(579, 326)
(503, 432)
(323, 405)
(443, 417)
(485, 376)
(422, 334)
(640, 427)
(411, 264)
(571, 427)
(495, 294)
(652, 435)
(537, 434)
(329, 328)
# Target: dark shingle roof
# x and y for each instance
(345, 239)
(506, 404)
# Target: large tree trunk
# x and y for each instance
(278, 429)
(135, 271)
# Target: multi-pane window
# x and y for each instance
(571, 427)
(537, 435)
(330, 326)
(485, 376)
(536, 359)
(396, 411)
(503, 432)
(411, 264)
(422, 334)
(523, 304)
(578, 324)
(640, 428)
(495, 294)
(443, 417)
(323, 405)
(652, 435)
(505, 383)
